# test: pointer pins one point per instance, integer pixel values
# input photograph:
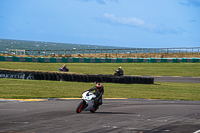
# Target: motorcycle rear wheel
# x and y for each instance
(80, 107)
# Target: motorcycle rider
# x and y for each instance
(119, 72)
(64, 68)
(98, 92)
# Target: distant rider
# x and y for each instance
(119, 72)
(98, 92)
(64, 68)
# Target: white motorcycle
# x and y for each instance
(87, 103)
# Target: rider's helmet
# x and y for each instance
(120, 67)
(99, 86)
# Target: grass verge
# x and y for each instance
(19, 89)
(153, 69)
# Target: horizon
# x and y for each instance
(189, 47)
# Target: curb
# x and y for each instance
(48, 99)
(27, 100)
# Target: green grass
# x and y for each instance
(153, 69)
(17, 88)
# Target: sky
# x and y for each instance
(121, 23)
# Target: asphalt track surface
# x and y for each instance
(114, 116)
(176, 79)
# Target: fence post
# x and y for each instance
(45, 53)
(130, 51)
(124, 51)
(101, 51)
(89, 51)
(83, 51)
(95, 51)
(142, 50)
(64, 52)
(70, 52)
(112, 51)
(198, 50)
(148, 50)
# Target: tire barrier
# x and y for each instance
(75, 77)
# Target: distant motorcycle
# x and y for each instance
(87, 103)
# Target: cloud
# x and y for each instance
(100, 2)
(125, 21)
(192, 21)
(103, 2)
(195, 3)
(185, 4)
(141, 24)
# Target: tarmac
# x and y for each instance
(114, 116)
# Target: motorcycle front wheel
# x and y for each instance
(94, 109)
(80, 107)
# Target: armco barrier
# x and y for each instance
(98, 60)
(75, 77)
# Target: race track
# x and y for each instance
(176, 79)
(114, 116)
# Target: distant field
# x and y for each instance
(153, 69)
(17, 88)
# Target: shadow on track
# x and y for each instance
(119, 113)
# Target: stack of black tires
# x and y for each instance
(94, 78)
(75, 77)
